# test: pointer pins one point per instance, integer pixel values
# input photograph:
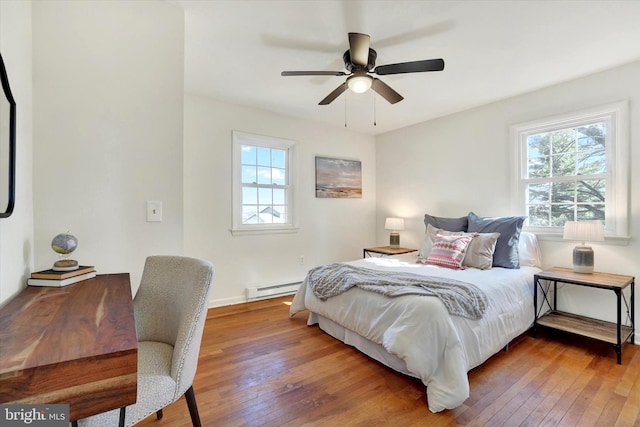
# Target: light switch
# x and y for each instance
(154, 211)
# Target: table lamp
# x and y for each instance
(394, 224)
(583, 231)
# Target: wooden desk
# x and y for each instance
(73, 345)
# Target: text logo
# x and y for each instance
(34, 415)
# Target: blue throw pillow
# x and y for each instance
(449, 224)
(506, 253)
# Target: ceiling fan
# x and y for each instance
(360, 61)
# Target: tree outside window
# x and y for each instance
(566, 175)
(574, 167)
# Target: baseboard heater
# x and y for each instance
(272, 291)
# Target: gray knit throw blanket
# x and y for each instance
(460, 298)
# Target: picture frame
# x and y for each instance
(338, 178)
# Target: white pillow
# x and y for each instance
(529, 250)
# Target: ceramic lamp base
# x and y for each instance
(394, 240)
(583, 259)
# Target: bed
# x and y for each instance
(416, 334)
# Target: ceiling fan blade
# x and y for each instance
(411, 67)
(385, 91)
(417, 34)
(333, 95)
(313, 73)
(286, 42)
(359, 48)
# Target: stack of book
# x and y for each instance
(61, 278)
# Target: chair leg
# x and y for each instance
(193, 407)
(159, 414)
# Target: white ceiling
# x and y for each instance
(235, 51)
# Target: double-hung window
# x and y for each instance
(574, 168)
(262, 184)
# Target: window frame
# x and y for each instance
(617, 167)
(243, 138)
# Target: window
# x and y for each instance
(262, 188)
(574, 168)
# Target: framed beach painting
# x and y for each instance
(338, 179)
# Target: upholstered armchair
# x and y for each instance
(170, 309)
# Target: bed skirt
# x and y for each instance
(370, 348)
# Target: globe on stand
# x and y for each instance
(64, 244)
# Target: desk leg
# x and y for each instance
(123, 413)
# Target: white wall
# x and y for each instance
(16, 232)
(108, 128)
(108, 135)
(461, 163)
(330, 229)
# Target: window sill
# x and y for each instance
(557, 237)
(256, 231)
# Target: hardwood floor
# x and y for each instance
(259, 368)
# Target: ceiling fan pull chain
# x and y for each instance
(374, 109)
(345, 109)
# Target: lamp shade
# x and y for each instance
(583, 231)
(394, 224)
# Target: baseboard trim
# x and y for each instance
(227, 301)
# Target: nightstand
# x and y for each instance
(386, 250)
(614, 333)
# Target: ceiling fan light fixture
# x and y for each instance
(359, 83)
(360, 62)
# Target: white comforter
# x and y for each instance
(437, 348)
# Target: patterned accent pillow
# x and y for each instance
(480, 251)
(449, 251)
